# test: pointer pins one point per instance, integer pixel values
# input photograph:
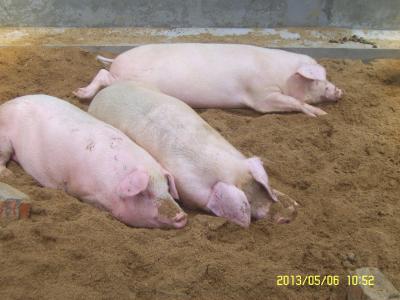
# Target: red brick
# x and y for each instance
(25, 210)
(13, 203)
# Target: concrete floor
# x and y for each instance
(318, 42)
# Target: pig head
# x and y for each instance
(257, 189)
(143, 202)
(251, 197)
(309, 84)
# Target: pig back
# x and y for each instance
(169, 129)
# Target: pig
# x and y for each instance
(223, 76)
(210, 173)
(63, 147)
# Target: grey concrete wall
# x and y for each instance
(368, 14)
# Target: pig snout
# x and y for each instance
(180, 220)
(170, 214)
(338, 93)
(285, 210)
(332, 93)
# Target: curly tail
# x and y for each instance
(104, 60)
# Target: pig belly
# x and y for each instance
(202, 76)
(197, 92)
(59, 146)
(55, 163)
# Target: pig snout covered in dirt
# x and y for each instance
(210, 173)
(65, 148)
(223, 76)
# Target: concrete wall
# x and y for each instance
(368, 14)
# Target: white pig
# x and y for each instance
(63, 147)
(223, 76)
(210, 173)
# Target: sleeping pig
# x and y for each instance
(63, 147)
(223, 76)
(210, 173)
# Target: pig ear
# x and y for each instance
(229, 202)
(313, 72)
(258, 172)
(133, 184)
(171, 183)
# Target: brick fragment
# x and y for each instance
(13, 203)
(382, 288)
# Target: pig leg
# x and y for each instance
(277, 102)
(102, 79)
(285, 210)
(229, 202)
(5, 155)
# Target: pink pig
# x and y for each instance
(210, 173)
(63, 147)
(223, 76)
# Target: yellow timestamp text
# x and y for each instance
(324, 280)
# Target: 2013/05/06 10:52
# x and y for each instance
(321, 280)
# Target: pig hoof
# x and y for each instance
(83, 93)
(319, 112)
(180, 220)
(285, 210)
(313, 111)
